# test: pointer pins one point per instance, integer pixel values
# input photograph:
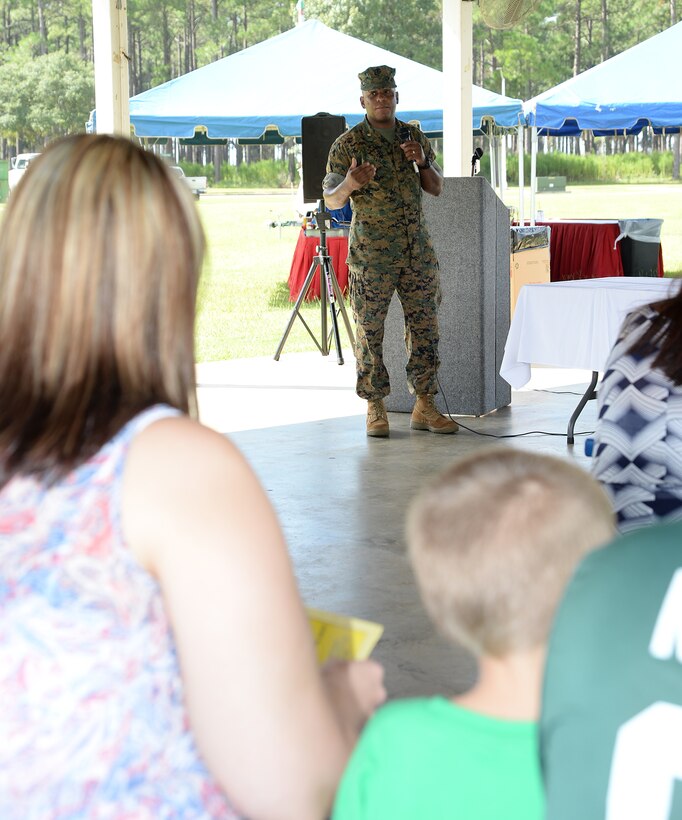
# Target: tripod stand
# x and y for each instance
(330, 294)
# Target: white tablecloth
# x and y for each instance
(573, 324)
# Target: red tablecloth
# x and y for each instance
(584, 250)
(578, 250)
(305, 252)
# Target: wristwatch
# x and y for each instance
(427, 164)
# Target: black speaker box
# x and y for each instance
(317, 135)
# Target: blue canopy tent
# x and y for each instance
(638, 87)
(306, 70)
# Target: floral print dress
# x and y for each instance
(92, 716)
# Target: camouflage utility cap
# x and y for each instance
(375, 77)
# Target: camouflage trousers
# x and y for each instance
(371, 291)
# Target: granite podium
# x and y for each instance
(470, 229)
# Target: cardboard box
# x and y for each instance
(528, 267)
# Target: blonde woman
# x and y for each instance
(155, 659)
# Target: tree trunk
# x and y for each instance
(291, 165)
(605, 47)
(190, 38)
(81, 38)
(135, 60)
(166, 41)
(676, 156)
(193, 34)
(138, 39)
(42, 28)
(577, 38)
(482, 63)
(217, 162)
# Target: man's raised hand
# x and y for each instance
(359, 175)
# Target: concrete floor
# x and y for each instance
(341, 496)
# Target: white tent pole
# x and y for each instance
(533, 172)
(503, 166)
(497, 156)
(493, 160)
(110, 35)
(503, 143)
(522, 181)
(457, 79)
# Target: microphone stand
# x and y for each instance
(330, 296)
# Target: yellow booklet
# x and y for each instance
(343, 638)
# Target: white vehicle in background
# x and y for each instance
(17, 168)
(197, 184)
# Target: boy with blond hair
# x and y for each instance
(493, 541)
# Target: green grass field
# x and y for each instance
(244, 299)
(244, 303)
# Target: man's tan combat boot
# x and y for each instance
(425, 416)
(377, 420)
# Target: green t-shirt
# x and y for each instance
(611, 725)
(387, 133)
(429, 759)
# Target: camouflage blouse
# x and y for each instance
(388, 227)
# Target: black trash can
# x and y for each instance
(639, 258)
(640, 246)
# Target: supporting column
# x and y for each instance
(533, 170)
(110, 34)
(457, 80)
(522, 181)
(503, 166)
(494, 168)
(503, 143)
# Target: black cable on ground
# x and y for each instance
(506, 435)
(518, 435)
(557, 392)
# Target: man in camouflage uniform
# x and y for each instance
(382, 165)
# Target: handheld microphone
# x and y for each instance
(478, 153)
(405, 135)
